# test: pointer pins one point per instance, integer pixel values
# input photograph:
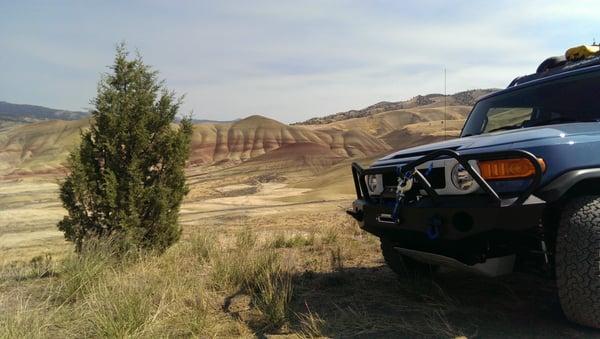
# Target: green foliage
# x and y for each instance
(127, 177)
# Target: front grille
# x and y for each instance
(436, 178)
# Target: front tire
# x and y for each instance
(578, 261)
(401, 264)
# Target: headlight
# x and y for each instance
(461, 178)
(374, 183)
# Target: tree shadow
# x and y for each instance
(373, 302)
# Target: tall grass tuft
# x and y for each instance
(245, 239)
(79, 272)
(203, 246)
(296, 240)
(330, 235)
(24, 321)
(311, 324)
(41, 266)
(270, 285)
(121, 311)
(255, 271)
(337, 259)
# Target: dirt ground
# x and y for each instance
(346, 286)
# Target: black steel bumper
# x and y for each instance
(449, 217)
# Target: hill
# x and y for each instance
(41, 147)
(465, 98)
(38, 148)
(32, 113)
(257, 136)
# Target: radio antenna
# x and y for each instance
(445, 104)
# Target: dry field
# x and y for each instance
(266, 251)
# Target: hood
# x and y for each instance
(533, 135)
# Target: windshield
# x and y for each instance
(572, 99)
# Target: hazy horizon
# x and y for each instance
(281, 60)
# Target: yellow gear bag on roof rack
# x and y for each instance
(582, 52)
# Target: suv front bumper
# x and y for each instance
(448, 217)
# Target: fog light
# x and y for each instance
(461, 178)
(374, 183)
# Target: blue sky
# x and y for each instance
(289, 60)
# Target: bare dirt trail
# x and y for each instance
(266, 199)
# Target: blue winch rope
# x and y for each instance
(400, 196)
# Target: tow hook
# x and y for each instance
(356, 214)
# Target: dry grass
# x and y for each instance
(179, 293)
(311, 324)
(30, 210)
(187, 291)
(253, 267)
(281, 240)
(237, 283)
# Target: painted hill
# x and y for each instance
(42, 147)
(38, 148)
(256, 136)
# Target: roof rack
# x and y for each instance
(574, 58)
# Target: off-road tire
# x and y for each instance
(401, 264)
(578, 261)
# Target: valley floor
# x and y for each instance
(328, 278)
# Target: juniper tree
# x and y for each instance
(127, 177)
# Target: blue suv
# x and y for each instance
(518, 190)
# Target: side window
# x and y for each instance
(499, 117)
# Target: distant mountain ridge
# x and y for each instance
(32, 113)
(464, 98)
(24, 113)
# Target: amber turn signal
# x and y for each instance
(509, 168)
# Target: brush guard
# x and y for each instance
(362, 192)
(437, 216)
